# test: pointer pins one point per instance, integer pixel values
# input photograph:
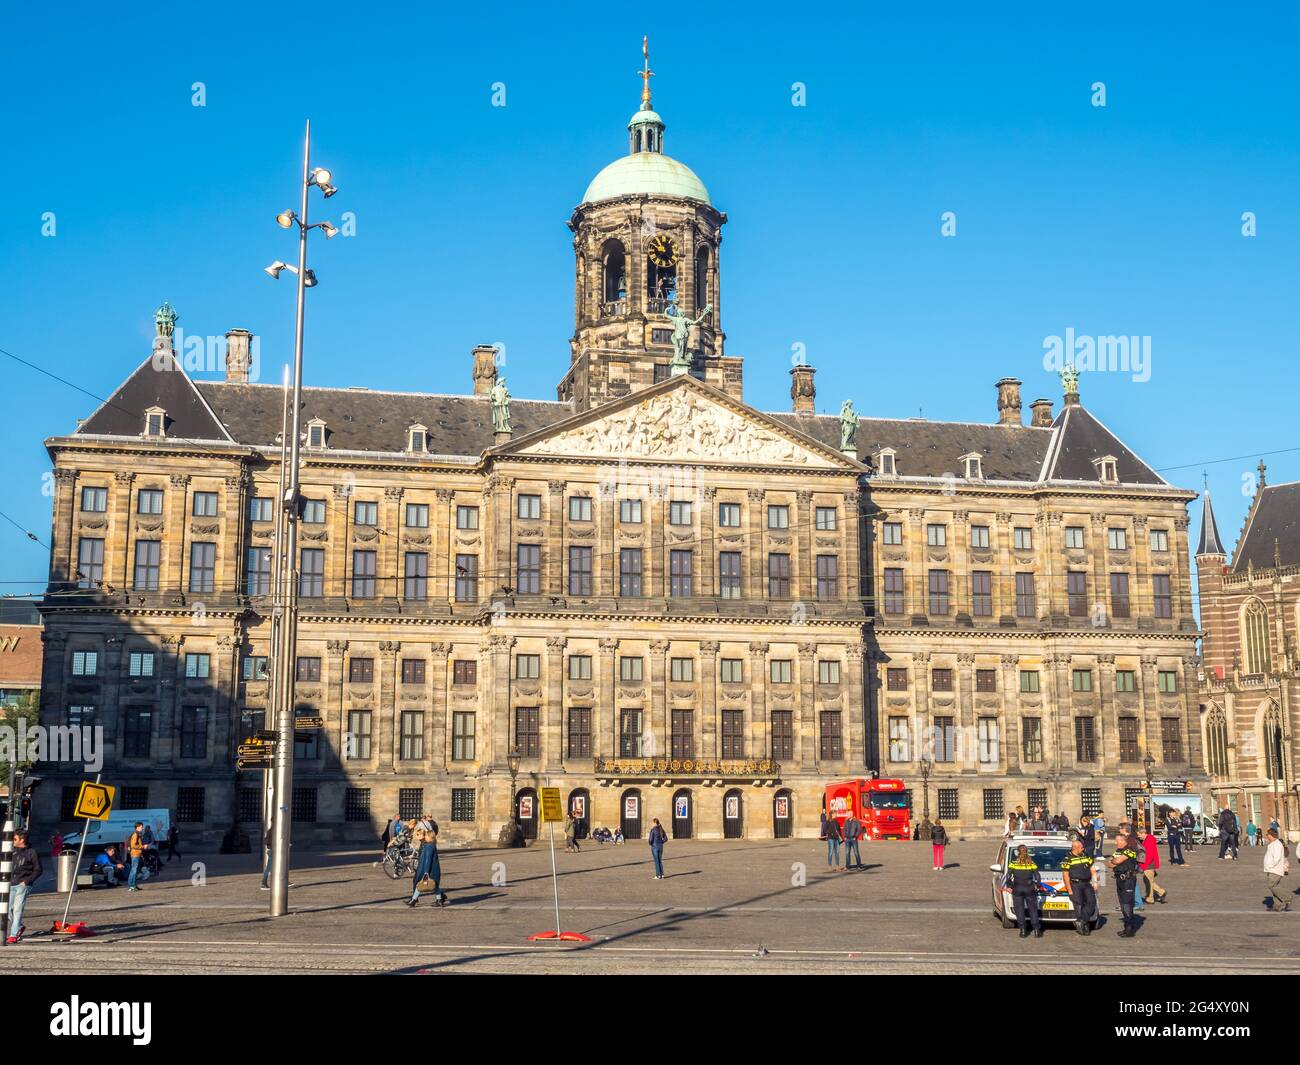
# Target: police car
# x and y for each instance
(1047, 849)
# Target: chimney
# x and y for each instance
(1042, 415)
(485, 368)
(1009, 402)
(803, 390)
(238, 356)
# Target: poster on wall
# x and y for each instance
(783, 807)
(733, 807)
(630, 807)
(681, 807)
(578, 807)
(525, 807)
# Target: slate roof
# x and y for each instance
(1209, 543)
(1274, 516)
(157, 383)
(1082, 438)
(932, 449)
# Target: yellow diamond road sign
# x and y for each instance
(552, 808)
(95, 801)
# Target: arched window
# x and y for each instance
(613, 264)
(701, 278)
(1216, 743)
(1273, 743)
(1259, 659)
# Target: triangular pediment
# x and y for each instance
(681, 421)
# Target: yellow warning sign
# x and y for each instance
(552, 807)
(94, 801)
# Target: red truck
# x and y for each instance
(882, 805)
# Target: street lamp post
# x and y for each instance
(1148, 764)
(287, 576)
(925, 787)
(513, 761)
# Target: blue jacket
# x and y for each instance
(658, 837)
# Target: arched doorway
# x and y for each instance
(630, 815)
(580, 811)
(733, 815)
(526, 811)
(683, 813)
(783, 814)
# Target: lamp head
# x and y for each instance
(286, 219)
(275, 268)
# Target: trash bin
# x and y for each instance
(66, 870)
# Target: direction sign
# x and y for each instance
(266, 734)
(552, 807)
(305, 722)
(254, 763)
(94, 801)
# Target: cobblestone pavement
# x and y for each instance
(723, 907)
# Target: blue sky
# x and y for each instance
(1117, 220)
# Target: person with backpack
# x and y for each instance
(658, 837)
(938, 840)
(173, 842)
(1276, 867)
(1227, 833)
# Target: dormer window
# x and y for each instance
(973, 467)
(155, 422)
(1107, 469)
(885, 462)
(315, 433)
(417, 439)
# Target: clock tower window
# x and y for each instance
(661, 273)
(613, 265)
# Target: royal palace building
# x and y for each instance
(645, 592)
(1250, 690)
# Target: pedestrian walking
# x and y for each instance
(823, 829)
(852, 833)
(173, 843)
(1077, 867)
(658, 837)
(1252, 830)
(938, 840)
(1276, 867)
(834, 834)
(1150, 866)
(428, 870)
(1227, 824)
(1099, 829)
(1174, 830)
(1087, 834)
(1124, 864)
(570, 834)
(268, 842)
(135, 850)
(1022, 874)
(56, 845)
(1188, 822)
(24, 872)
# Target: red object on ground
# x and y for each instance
(881, 805)
(568, 937)
(74, 928)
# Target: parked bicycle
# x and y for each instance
(400, 858)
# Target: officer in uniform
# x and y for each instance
(1124, 864)
(1077, 867)
(1022, 874)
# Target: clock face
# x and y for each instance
(662, 251)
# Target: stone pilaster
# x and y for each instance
(496, 695)
(175, 554)
(384, 729)
(604, 716)
(853, 562)
(388, 550)
(805, 577)
(442, 560)
(437, 728)
(117, 550)
(707, 555)
(757, 589)
(806, 731)
(553, 561)
(63, 549)
(230, 548)
(552, 723)
(759, 741)
(333, 676)
(856, 725)
(659, 738)
(338, 551)
(707, 685)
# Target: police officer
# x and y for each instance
(1077, 867)
(1022, 873)
(1124, 864)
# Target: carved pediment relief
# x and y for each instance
(416, 538)
(315, 536)
(206, 528)
(900, 701)
(581, 693)
(94, 523)
(582, 534)
(681, 425)
(467, 541)
(894, 556)
(732, 694)
(632, 693)
(149, 526)
(985, 557)
(530, 691)
(937, 556)
(306, 693)
(365, 534)
(683, 693)
(261, 534)
(828, 541)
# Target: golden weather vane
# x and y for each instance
(645, 74)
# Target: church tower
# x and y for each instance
(645, 244)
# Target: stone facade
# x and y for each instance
(651, 591)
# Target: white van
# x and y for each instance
(118, 827)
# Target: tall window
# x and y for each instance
(140, 664)
(258, 575)
(732, 670)
(1082, 680)
(944, 735)
(891, 533)
(1026, 600)
(365, 512)
(528, 731)
(467, 578)
(629, 511)
(1117, 539)
(194, 732)
(1029, 680)
(782, 734)
(528, 667)
(778, 517)
(679, 578)
(679, 512)
(780, 671)
(994, 809)
(828, 577)
(1031, 739)
(580, 570)
(358, 738)
(729, 574)
(462, 736)
(1076, 593)
(729, 515)
(94, 500)
(203, 567)
(1167, 681)
(629, 571)
(580, 732)
(148, 557)
(981, 593)
(139, 729)
(825, 519)
(1159, 539)
(1085, 739)
(1171, 739)
(308, 669)
(580, 667)
(828, 672)
(1129, 748)
(986, 680)
(1119, 601)
(894, 596)
(832, 742)
(90, 562)
(149, 501)
(778, 576)
(900, 740)
(313, 511)
(528, 572)
(949, 804)
(415, 584)
(529, 507)
(1273, 751)
(979, 536)
(363, 574)
(1259, 656)
(417, 515)
(1216, 743)
(205, 505)
(1161, 596)
(630, 669)
(629, 733)
(682, 669)
(733, 734)
(896, 679)
(1074, 537)
(311, 576)
(412, 670)
(580, 508)
(464, 671)
(1023, 538)
(361, 670)
(260, 508)
(941, 680)
(198, 666)
(936, 535)
(682, 734)
(466, 517)
(938, 591)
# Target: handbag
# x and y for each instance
(425, 884)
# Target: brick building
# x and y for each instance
(669, 603)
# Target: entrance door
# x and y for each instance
(783, 814)
(630, 819)
(580, 811)
(733, 811)
(526, 812)
(683, 813)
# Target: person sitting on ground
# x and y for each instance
(618, 836)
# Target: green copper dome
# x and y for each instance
(646, 173)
